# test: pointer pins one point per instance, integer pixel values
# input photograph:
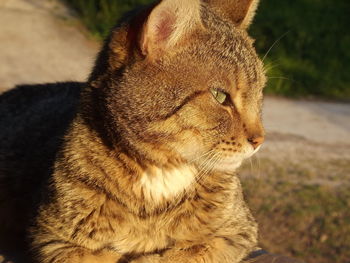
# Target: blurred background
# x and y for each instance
(311, 55)
(298, 185)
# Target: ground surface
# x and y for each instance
(41, 42)
(309, 142)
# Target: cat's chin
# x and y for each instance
(228, 166)
(232, 164)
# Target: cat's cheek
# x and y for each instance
(190, 147)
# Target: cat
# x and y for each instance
(145, 171)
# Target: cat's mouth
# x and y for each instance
(230, 164)
(255, 151)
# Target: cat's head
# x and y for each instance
(181, 82)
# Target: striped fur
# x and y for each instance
(146, 170)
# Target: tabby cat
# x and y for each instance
(145, 172)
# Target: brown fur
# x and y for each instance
(147, 125)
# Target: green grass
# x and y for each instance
(313, 57)
(311, 60)
(309, 222)
(100, 16)
(303, 207)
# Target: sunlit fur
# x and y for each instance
(146, 172)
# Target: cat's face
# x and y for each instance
(196, 101)
(218, 114)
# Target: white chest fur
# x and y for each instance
(158, 183)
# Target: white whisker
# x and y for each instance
(269, 50)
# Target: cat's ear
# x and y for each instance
(169, 23)
(240, 12)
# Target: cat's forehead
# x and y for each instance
(229, 57)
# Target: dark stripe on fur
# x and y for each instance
(183, 103)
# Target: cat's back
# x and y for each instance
(25, 107)
(33, 118)
(33, 121)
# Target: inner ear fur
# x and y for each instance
(152, 32)
(240, 12)
(169, 23)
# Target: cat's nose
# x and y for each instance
(256, 141)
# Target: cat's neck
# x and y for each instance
(166, 183)
(145, 186)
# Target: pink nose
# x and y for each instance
(256, 141)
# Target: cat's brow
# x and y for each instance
(183, 103)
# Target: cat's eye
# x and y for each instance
(218, 95)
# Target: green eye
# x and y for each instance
(218, 95)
